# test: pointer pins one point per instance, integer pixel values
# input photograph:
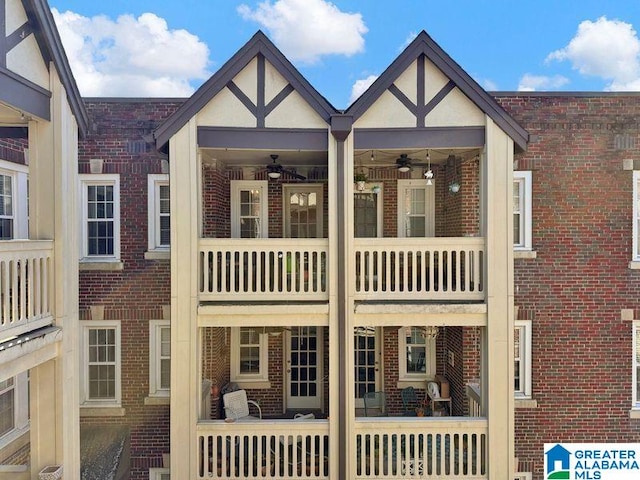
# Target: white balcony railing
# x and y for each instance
(434, 268)
(391, 448)
(283, 449)
(398, 448)
(263, 269)
(25, 284)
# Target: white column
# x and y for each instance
(185, 384)
(498, 186)
(53, 184)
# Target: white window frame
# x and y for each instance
(375, 189)
(430, 359)
(87, 180)
(523, 178)
(287, 190)
(155, 357)
(158, 473)
(525, 329)
(19, 191)
(154, 182)
(429, 214)
(635, 373)
(20, 409)
(85, 326)
(243, 378)
(238, 186)
(636, 216)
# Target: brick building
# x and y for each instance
(433, 249)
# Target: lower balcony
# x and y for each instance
(385, 448)
(25, 286)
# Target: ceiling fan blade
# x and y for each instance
(293, 174)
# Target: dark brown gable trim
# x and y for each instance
(429, 137)
(260, 111)
(258, 45)
(24, 95)
(263, 138)
(18, 36)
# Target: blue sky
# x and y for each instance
(169, 48)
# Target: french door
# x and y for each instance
(367, 362)
(304, 368)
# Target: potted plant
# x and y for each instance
(360, 179)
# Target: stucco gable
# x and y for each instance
(272, 68)
(425, 51)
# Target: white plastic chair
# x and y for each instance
(236, 406)
(434, 395)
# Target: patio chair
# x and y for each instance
(236, 406)
(409, 402)
(375, 404)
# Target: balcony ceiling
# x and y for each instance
(246, 157)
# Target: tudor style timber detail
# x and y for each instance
(421, 108)
(260, 109)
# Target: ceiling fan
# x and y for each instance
(404, 163)
(275, 170)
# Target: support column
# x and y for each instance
(43, 424)
(185, 384)
(341, 129)
(53, 214)
(498, 345)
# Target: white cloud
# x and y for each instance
(131, 56)
(305, 30)
(531, 83)
(360, 86)
(410, 38)
(605, 48)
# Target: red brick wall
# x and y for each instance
(575, 288)
(136, 294)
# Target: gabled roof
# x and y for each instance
(258, 44)
(423, 44)
(48, 39)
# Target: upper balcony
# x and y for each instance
(416, 236)
(26, 275)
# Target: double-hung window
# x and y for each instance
(249, 209)
(14, 219)
(636, 216)
(249, 355)
(416, 209)
(522, 358)
(100, 200)
(14, 407)
(522, 210)
(159, 212)
(636, 366)
(416, 355)
(101, 363)
(159, 358)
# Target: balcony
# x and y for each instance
(282, 269)
(420, 269)
(25, 286)
(388, 448)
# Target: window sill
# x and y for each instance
(156, 400)
(634, 265)
(253, 385)
(14, 441)
(106, 265)
(526, 403)
(413, 382)
(89, 411)
(634, 413)
(525, 254)
(157, 255)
